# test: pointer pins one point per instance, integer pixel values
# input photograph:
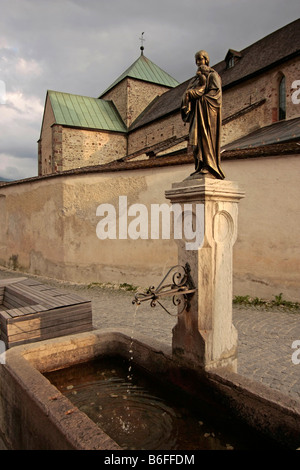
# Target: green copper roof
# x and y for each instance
(144, 69)
(83, 111)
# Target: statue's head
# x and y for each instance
(202, 58)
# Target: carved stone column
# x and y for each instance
(205, 335)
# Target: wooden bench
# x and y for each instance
(31, 311)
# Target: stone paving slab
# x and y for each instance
(265, 337)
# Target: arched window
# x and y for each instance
(282, 99)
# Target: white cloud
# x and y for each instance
(28, 67)
(15, 168)
(21, 106)
(20, 122)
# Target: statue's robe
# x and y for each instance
(203, 113)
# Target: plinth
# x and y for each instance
(205, 335)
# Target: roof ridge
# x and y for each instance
(274, 33)
(146, 70)
(75, 94)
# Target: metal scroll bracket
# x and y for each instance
(177, 283)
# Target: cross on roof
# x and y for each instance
(142, 41)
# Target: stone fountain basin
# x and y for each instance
(34, 415)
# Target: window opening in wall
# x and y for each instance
(282, 100)
(230, 62)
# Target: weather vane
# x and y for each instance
(142, 41)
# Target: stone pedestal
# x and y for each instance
(205, 335)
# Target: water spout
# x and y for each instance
(180, 287)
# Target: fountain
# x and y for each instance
(201, 364)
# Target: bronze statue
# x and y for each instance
(201, 107)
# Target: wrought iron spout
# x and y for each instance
(180, 286)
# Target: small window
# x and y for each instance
(232, 57)
(282, 100)
(230, 62)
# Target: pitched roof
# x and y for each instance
(84, 111)
(145, 70)
(277, 47)
(262, 55)
(278, 132)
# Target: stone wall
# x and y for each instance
(263, 86)
(45, 143)
(250, 105)
(246, 121)
(246, 107)
(48, 226)
(157, 132)
(119, 97)
(132, 96)
(65, 148)
(83, 147)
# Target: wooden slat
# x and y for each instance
(7, 282)
(5, 315)
(48, 317)
(13, 312)
(21, 293)
(53, 296)
(18, 294)
(12, 300)
(40, 312)
(1, 294)
(38, 308)
(37, 297)
(57, 312)
(79, 329)
(51, 332)
(30, 330)
(43, 297)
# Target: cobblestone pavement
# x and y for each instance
(265, 336)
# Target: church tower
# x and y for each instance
(79, 131)
(137, 87)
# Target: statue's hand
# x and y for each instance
(186, 99)
(196, 93)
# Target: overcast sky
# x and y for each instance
(82, 46)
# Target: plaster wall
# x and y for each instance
(266, 254)
(48, 226)
(31, 221)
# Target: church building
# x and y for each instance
(130, 142)
(138, 116)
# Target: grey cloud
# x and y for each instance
(83, 46)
